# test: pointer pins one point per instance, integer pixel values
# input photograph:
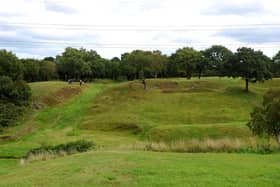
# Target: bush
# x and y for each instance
(68, 148)
(9, 113)
(17, 92)
(14, 97)
(265, 120)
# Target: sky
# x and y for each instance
(40, 28)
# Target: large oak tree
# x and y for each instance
(249, 64)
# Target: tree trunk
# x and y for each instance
(199, 74)
(144, 84)
(278, 139)
(189, 75)
(247, 85)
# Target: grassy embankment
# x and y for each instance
(171, 110)
(175, 112)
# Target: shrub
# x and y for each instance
(265, 120)
(9, 113)
(14, 96)
(61, 149)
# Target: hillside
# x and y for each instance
(116, 113)
(126, 122)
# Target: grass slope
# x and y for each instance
(147, 169)
(175, 109)
(113, 114)
(57, 124)
(118, 115)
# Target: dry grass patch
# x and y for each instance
(61, 95)
(195, 145)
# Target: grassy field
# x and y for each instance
(123, 120)
(177, 109)
(112, 168)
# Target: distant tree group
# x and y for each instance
(186, 62)
(38, 70)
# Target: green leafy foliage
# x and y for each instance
(9, 113)
(265, 120)
(216, 58)
(16, 92)
(10, 65)
(69, 148)
(14, 96)
(38, 70)
(275, 66)
(187, 60)
(249, 64)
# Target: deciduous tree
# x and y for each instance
(265, 120)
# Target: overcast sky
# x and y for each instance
(38, 28)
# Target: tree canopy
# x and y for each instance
(249, 64)
(10, 65)
(275, 67)
(265, 120)
(187, 62)
(187, 59)
(216, 58)
(14, 92)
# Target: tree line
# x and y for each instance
(186, 62)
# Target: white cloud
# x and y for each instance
(173, 14)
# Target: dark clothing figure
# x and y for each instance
(144, 84)
(81, 82)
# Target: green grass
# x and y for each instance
(170, 105)
(122, 116)
(52, 93)
(41, 89)
(188, 132)
(113, 168)
(112, 114)
(55, 125)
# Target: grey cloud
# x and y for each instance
(27, 41)
(10, 14)
(23, 33)
(254, 35)
(54, 6)
(244, 8)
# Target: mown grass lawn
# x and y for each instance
(113, 168)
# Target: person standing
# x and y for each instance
(144, 84)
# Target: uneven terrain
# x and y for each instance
(128, 124)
